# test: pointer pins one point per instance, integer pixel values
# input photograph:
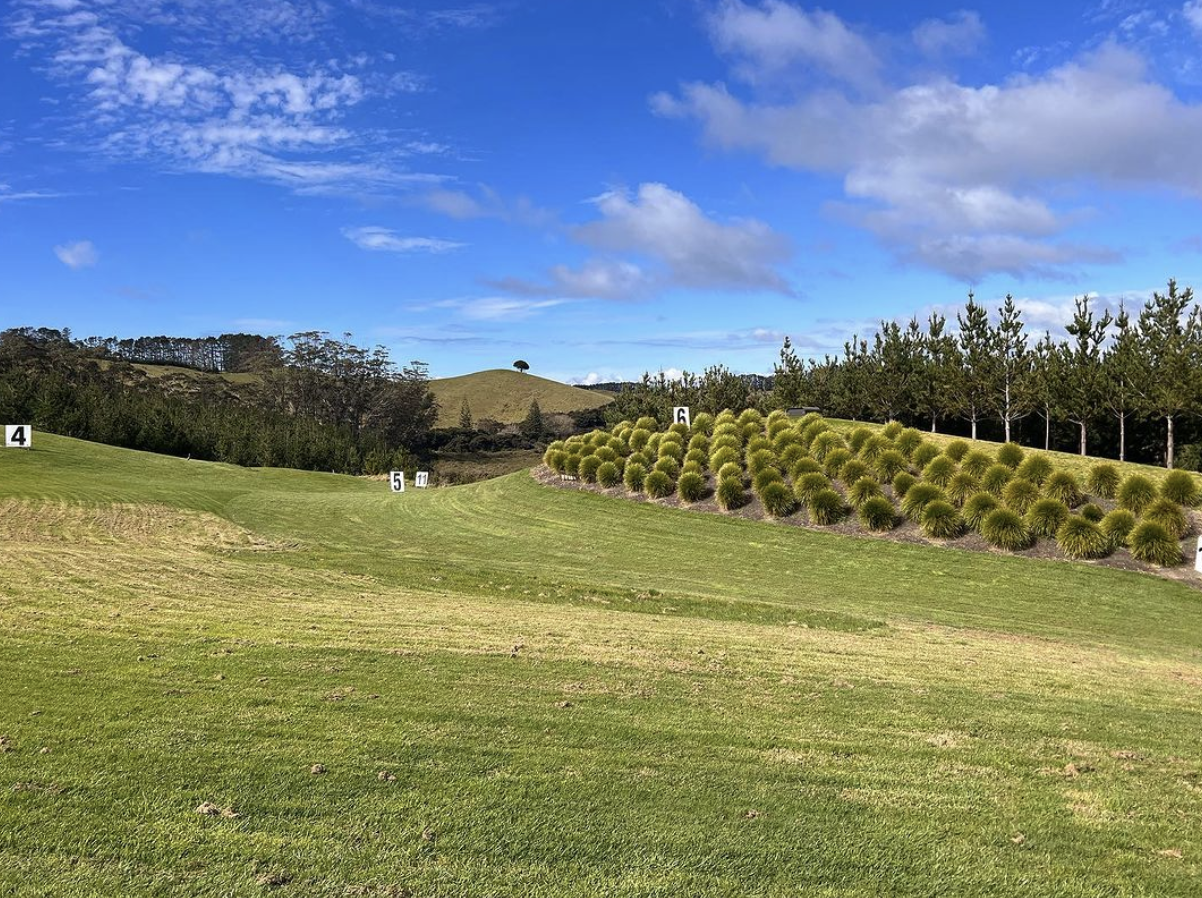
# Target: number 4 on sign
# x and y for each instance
(18, 436)
(396, 481)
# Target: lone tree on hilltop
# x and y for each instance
(522, 365)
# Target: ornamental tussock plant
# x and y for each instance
(791, 456)
(1136, 493)
(923, 453)
(1010, 455)
(778, 414)
(1117, 526)
(892, 429)
(619, 446)
(1091, 512)
(1046, 517)
(670, 449)
(680, 429)
(1169, 515)
(696, 456)
(778, 502)
(691, 486)
(804, 466)
(722, 456)
(1036, 468)
(1152, 544)
(976, 462)
(730, 469)
(726, 416)
(554, 459)
(825, 443)
(634, 477)
(863, 490)
(557, 446)
(750, 431)
(658, 485)
(588, 468)
(835, 460)
(1082, 538)
(889, 464)
(826, 507)
(751, 416)
(1004, 529)
(728, 429)
(703, 423)
(902, 483)
(978, 507)
(956, 450)
(807, 419)
(877, 514)
(1103, 480)
(857, 438)
(731, 494)
(961, 488)
(608, 475)
(812, 431)
(726, 441)
(1180, 487)
(1063, 485)
(765, 477)
(646, 423)
(995, 478)
(777, 426)
(939, 471)
(587, 449)
(907, 441)
(571, 465)
(638, 438)
(809, 485)
(1019, 495)
(691, 467)
(853, 469)
(873, 447)
(918, 497)
(605, 453)
(757, 443)
(669, 466)
(761, 459)
(638, 458)
(786, 440)
(700, 443)
(940, 520)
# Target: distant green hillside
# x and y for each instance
(505, 396)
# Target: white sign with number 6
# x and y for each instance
(681, 415)
(18, 436)
(396, 480)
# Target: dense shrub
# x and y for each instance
(670, 449)
(907, 441)
(853, 470)
(727, 429)
(857, 438)
(939, 470)
(1103, 480)
(940, 520)
(918, 497)
(863, 490)
(646, 423)
(889, 464)
(1035, 467)
(826, 507)
(902, 483)
(608, 475)
(1046, 517)
(1180, 487)
(1118, 526)
(877, 514)
(835, 460)
(638, 438)
(652, 447)
(692, 467)
(1019, 495)
(751, 416)
(760, 459)
(874, 446)
(956, 450)
(806, 486)
(961, 487)
(809, 418)
(638, 458)
(777, 500)
(1152, 544)
(731, 494)
(691, 487)
(571, 465)
(777, 426)
(606, 453)
(719, 458)
(785, 439)
(1079, 537)
(1092, 512)
(554, 459)
(978, 507)
(634, 476)
(751, 431)
(812, 431)
(758, 444)
(1169, 515)
(765, 477)
(995, 478)
(825, 443)
(804, 466)
(923, 453)
(1063, 485)
(680, 429)
(1010, 455)
(730, 469)
(1136, 493)
(668, 465)
(658, 485)
(700, 443)
(1005, 529)
(976, 463)
(791, 455)
(703, 423)
(696, 455)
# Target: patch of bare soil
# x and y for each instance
(906, 532)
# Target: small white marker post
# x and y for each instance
(18, 436)
(421, 479)
(680, 415)
(396, 481)
(1198, 561)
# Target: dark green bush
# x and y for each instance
(554, 459)
(1019, 495)
(853, 470)
(608, 475)
(956, 450)
(874, 446)
(1118, 526)
(918, 497)
(857, 438)
(1079, 537)
(807, 485)
(995, 478)
(977, 507)
(1180, 487)
(804, 466)
(778, 502)
(863, 490)
(571, 465)
(791, 455)
(877, 514)
(889, 464)
(1103, 480)
(1046, 517)
(1136, 493)
(692, 467)
(730, 469)
(939, 471)
(1092, 512)
(825, 443)
(835, 460)
(940, 520)
(907, 441)
(700, 443)
(1035, 467)
(634, 476)
(1010, 455)
(760, 459)
(1063, 485)
(765, 477)
(691, 487)
(724, 456)
(731, 494)
(1169, 515)
(962, 487)
(893, 429)
(1005, 529)
(658, 485)
(923, 453)
(638, 438)
(669, 449)
(1152, 544)
(976, 463)
(902, 483)
(826, 507)
(697, 456)
(668, 465)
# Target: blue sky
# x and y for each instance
(601, 188)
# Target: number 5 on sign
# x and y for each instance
(396, 480)
(18, 436)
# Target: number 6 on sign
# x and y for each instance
(18, 436)
(680, 415)
(396, 480)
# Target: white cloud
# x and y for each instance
(958, 177)
(494, 308)
(8, 195)
(384, 240)
(1193, 14)
(958, 35)
(80, 254)
(485, 203)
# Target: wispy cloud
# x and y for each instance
(493, 308)
(80, 254)
(8, 195)
(380, 239)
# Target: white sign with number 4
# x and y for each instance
(396, 480)
(18, 436)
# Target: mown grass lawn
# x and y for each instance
(515, 690)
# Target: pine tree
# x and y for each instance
(1042, 387)
(1013, 365)
(1080, 368)
(533, 426)
(891, 368)
(978, 376)
(465, 415)
(789, 378)
(1168, 359)
(1120, 369)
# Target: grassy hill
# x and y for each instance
(505, 396)
(516, 690)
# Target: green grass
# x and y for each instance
(505, 396)
(576, 696)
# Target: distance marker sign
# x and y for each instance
(396, 481)
(18, 436)
(680, 415)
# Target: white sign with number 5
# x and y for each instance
(18, 436)
(396, 480)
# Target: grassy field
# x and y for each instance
(505, 396)
(516, 690)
